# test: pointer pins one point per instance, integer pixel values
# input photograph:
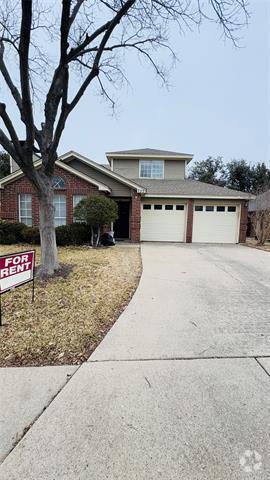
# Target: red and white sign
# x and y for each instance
(16, 269)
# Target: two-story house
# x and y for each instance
(155, 199)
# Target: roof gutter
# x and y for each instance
(214, 197)
(111, 156)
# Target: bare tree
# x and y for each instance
(89, 37)
(261, 224)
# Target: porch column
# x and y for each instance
(243, 222)
(135, 225)
(190, 204)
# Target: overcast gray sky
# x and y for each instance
(218, 102)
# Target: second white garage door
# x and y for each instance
(216, 223)
(163, 221)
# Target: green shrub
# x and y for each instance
(80, 233)
(16, 232)
(11, 232)
(96, 211)
(63, 236)
(31, 235)
(74, 234)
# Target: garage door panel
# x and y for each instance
(163, 225)
(215, 226)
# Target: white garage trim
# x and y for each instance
(216, 222)
(163, 220)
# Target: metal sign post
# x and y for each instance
(16, 269)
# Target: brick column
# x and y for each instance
(35, 210)
(243, 222)
(190, 204)
(135, 229)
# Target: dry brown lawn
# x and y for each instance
(251, 242)
(69, 316)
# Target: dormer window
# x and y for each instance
(58, 183)
(151, 169)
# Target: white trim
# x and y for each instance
(151, 178)
(112, 165)
(215, 197)
(104, 170)
(19, 173)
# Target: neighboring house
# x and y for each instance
(261, 202)
(156, 202)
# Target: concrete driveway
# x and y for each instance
(179, 388)
(195, 301)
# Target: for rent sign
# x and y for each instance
(16, 269)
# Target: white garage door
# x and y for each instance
(163, 221)
(216, 223)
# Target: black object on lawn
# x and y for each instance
(107, 240)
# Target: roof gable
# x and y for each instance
(130, 183)
(19, 173)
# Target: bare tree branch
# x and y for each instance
(114, 22)
(12, 87)
(10, 128)
(25, 35)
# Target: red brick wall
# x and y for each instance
(190, 204)
(243, 222)
(135, 227)
(9, 196)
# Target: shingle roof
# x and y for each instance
(261, 202)
(149, 151)
(187, 187)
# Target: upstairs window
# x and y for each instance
(25, 209)
(151, 169)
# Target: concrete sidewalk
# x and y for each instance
(25, 394)
(138, 410)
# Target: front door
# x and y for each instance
(121, 226)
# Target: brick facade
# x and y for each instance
(190, 206)
(243, 222)
(9, 195)
(135, 226)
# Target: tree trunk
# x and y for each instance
(49, 259)
(92, 236)
(98, 236)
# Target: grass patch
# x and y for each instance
(70, 316)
